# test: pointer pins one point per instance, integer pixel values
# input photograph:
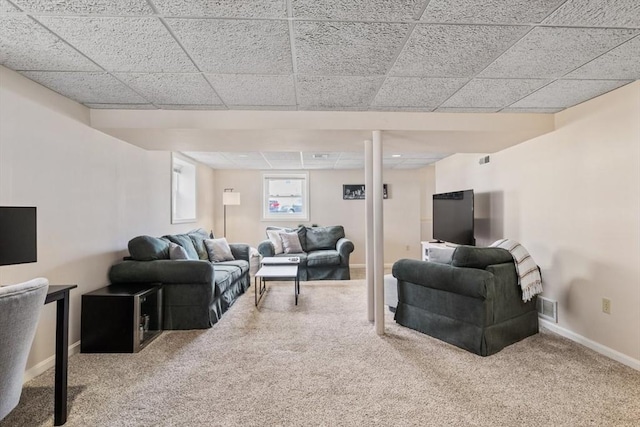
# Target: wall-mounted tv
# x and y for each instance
(18, 239)
(453, 217)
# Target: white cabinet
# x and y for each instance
(426, 246)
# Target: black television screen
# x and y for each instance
(18, 240)
(453, 217)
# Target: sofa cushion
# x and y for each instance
(323, 258)
(198, 238)
(184, 241)
(218, 250)
(318, 238)
(474, 257)
(147, 248)
(291, 243)
(177, 252)
(237, 264)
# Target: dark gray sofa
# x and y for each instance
(325, 253)
(474, 302)
(196, 292)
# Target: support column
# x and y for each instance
(368, 212)
(378, 233)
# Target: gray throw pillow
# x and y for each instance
(274, 237)
(441, 255)
(219, 250)
(147, 248)
(177, 252)
(291, 243)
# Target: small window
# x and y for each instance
(183, 190)
(286, 197)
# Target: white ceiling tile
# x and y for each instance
(46, 51)
(374, 10)
(389, 108)
(453, 50)
(566, 93)
(88, 87)
(253, 89)
(123, 44)
(282, 155)
(285, 164)
(597, 13)
(352, 155)
(264, 107)
(531, 110)
(172, 88)
(120, 106)
(207, 157)
(191, 107)
(493, 93)
(489, 12)
(6, 7)
(621, 63)
(347, 48)
(223, 8)
(337, 92)
(86, 7)
(467, 110)
(236, 46)
(552, 52)
(426, 92)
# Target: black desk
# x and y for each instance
(61, 295)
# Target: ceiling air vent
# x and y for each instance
(320, 156)
(547, 309)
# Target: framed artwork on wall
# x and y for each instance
(357, 191)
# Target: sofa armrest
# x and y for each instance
(463, 281)
(344, 247)
(266, 249)
(241, 251)
(163, 271)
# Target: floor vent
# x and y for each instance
(547, 309)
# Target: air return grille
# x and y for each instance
(547, 309)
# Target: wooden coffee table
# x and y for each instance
(277, 268)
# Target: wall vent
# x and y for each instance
(547, 309)
(484, 160)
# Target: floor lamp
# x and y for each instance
(229, 198)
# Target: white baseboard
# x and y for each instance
(49, 362)
(597, 347)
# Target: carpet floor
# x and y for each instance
(321, 363)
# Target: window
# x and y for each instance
(183, 190)
(286, 196)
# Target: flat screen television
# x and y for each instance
(453, 217)
(18, 239)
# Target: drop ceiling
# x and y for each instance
(443, 56)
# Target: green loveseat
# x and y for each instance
(325, 251)
(196, 291)
(474, 302)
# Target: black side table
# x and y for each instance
(122, 318)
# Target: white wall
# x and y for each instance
(572, 198)
(402, 210)
(93, 193)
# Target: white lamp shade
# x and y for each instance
(229, 198)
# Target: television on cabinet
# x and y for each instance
(18, 239)
(453, 217)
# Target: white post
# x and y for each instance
(378, 233)
(369, 257)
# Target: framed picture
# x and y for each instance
(357, 191)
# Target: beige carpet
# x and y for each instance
(321, 363)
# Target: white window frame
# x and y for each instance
(183, 189)
(267, 215)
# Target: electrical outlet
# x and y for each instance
(606, 305)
